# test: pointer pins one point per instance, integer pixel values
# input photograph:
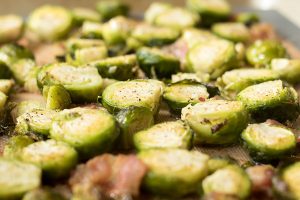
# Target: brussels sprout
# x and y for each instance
(142, 93)
(3, 99)
(213, 57)
(270, 100)
(230, 180)
(247, 18)
(16, 178)
(216, 121)
(267, 141)
(38, 121)
(217, 163)
(21, 68)
(30, 84)
(111, 8)
(91, 30)
(288, 70)
(119, 67)
(83, 83)
(211, 11)
(173, 172)
(55, 158)
(6, 85)
(193, 36)
(155, 9)
(86, 55)
(184, 18)
(90, 131)
(286, 182)
(157, 63)
(10, 53)
(25, 107)
(117, 30)
(236, 32)
(234, 81)
(42, 194)
(174, 134)
(5, 72)
(11, 28)
(15, 145)
(198, 77)
(50, 22)
(79, 43)
(261, 52)
(154, 35)
(80, 15)
(180, 94)
(131, 120)
(57, 97)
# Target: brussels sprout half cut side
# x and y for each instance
(230, 180)
(55, 158)
(90, 131)
(156, 63)
(236, 32)
(173, 172)
(142, 93)
(83, 83)
(216, 121)
(271, 100)
(288, 69)
(80, 15)
(15, 145)
(21, 69)
(10, 53)
(11, 28)
(268, 141)
(175, 134)
(16, 178)
(155, 9)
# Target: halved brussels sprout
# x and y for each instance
(234, 81)
(119, 67)
(174, 134)
(271, 100)
(37, 121)
(50, 22)
(83, 83)
(131, 120)
(80, 15)
(213, 57)
(6, 85)
(43, 194)
(90, 131)
(154, 35)
(247, 18)
(80, 43)
(173, 172)
(56, 159)
(111, 8)
(86, 55)
(155, 9)
(157, 63)
(288, 69)
(216, 121)
(13, 148)
(198, 77)
(211, 11)
(180, 94)
(91, 30)
(117, 30)
(184, 18)
(25, 107)
(230, 180)
(236, 32)
(16, 178)
(193, 36)
(286, 183)
(267, 141)
(21, 68)
(261, 52)
(11, 28)
(57, 97)
(142, 93)
(10, 53)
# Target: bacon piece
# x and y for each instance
(46, 53)
(262, 31)
(261, 178)
(112, 176)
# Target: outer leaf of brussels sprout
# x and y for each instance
(57, 97)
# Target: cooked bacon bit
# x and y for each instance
(263, 31)
(46, 53)
(261, 178)
(112, 176)
(202, 99)
(179, 49)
